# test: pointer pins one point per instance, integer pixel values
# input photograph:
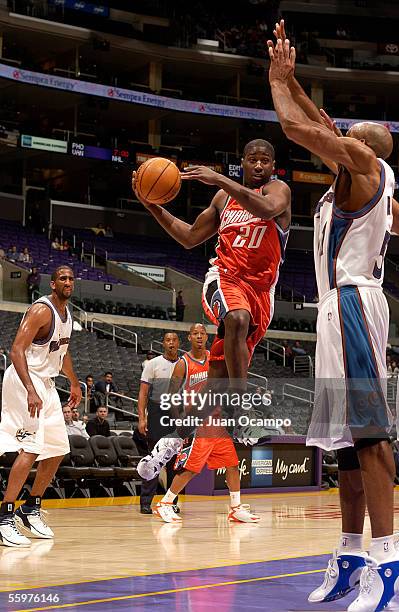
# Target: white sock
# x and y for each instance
(350, 542)
(169, 497)
(235, 498)
(382, 548)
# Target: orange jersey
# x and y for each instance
(249, 247)
(196, 372)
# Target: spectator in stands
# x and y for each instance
(99, 426)
(25, 256)
(395, 369)
(56, 244)
(2, 253)
(74, 428)
(12, 254)
(289, 355)
(389, 366)
(106, 385)
(180, 306)
(108, 232)
(100, 230)
(91, 396)
(66, 247)
(298, 349)
(33, 283)
(150, 355)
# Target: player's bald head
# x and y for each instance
(375, 135)
(197, 327)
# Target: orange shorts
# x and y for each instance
(223, 293)
(213, 452)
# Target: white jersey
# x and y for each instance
(45, 357)
(349, 247)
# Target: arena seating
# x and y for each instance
(45, 258)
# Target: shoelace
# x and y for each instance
(39, 512)
(10, 522)
(366, 579)
(331, 572)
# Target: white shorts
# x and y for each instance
(351, 376)
(45, 436)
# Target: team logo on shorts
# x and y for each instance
(21, 434)
(216, 308)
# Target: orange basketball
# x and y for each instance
(158, 180)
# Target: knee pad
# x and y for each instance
(347, 459)
(367, 442)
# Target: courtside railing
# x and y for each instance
(298, 393)
(114, 331)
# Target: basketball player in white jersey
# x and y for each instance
(32, 422)
(353, 222)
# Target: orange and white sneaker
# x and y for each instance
(242, 514)
(166, 512)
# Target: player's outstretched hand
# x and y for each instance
(35, 404)
(330, 123)
(143, 201)
(201, 173)
(279, 32)
(282, 60)
(75, 396)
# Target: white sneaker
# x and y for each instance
(150, 465)
(166, 512)
(9, 532)
(379, 585)
(33, 520)
(242, 514)
(341, 577)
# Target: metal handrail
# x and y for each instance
(289, 390)
(124, 397)
(85, 394)
(266, 344)
(113, 333)
(263, 378)
(302, 359)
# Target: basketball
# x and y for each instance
(158, 180)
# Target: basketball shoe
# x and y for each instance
(166, 511)
(342, 576)
(242, 514)
(379, 585)
(9, 532)
(32, 518)
(150, 465)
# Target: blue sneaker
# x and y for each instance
(341, 577)
(379, 584)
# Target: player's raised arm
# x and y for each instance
(273, 201)
(301, 98)
(353, 154)
(36, 324)
(204, 227)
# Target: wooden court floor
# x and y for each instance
(106, 556)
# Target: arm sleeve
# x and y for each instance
(148, 372)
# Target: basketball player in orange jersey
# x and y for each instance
(211, 445)
(252, 221)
